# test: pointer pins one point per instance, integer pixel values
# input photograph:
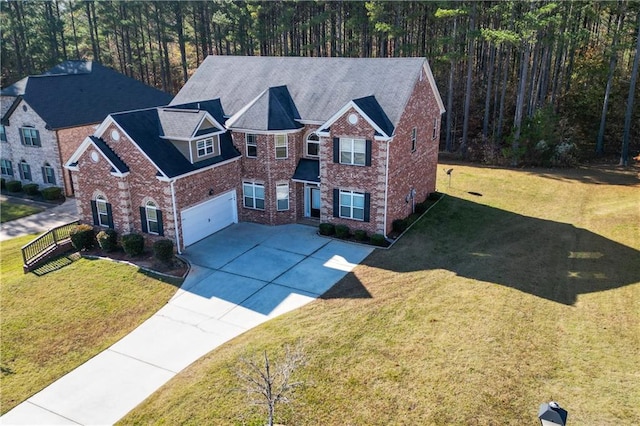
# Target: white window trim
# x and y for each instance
(101, 201)
(208, 143)
(414, 139)
(282, 185)
(8, 165)
(286, 145)
(254, 198)
(148, 207)
(22, 171)
(254, 144)
(352, 151)
(352, 194)
(306, 145)
(24, 137)
(48, 167)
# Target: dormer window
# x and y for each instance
(205, 147)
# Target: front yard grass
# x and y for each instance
(11, 211)
(53, 323)
(489, 306)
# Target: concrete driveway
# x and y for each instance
(241, 277)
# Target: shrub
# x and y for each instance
(163, 250)
(107, 239)
(327, 229)
(51, 193)
(3, 183)
(342, 231)
(30, 188)
(399, 225)
(14, 186)
(360, 235)
(133, 244)
(433, 196)
(378, 240)
(82, 237)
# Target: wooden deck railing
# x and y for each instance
(37, 250)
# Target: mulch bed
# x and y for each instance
(177, 268)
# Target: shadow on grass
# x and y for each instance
(552, 260)
(56, 264)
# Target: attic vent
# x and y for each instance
(115, 135)
(353, 118)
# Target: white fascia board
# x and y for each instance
(342, 111)
(265, 132)
(311, 122)
(120, 175)
(383, 138)
(209, 117)
(104, 125)
(77, 153)
(434, 87)
(194, 172)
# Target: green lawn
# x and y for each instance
(10, 211)
(53, 323)
(488, 307)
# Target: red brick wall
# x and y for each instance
(415, 169)
(269, 171)
(356, 178)
(69, 140)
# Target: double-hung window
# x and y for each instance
(6, 167)
(30, 136)
(353, 151)
(3, 134)
(252, 145)
(102, 211)
(352, 205)
(151, 211)
(282, 196)
(414, 138)
(205, 147)
(48, 174)
(282, 150)
(25, 170)
(313, 145)
(253, 195)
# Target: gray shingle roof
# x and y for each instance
(76, 93)
(318, 86)
(179, 123)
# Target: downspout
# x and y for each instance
(175, 215)
(386, 189)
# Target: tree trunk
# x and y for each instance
(607, 92)
(449, 142)
(467, 96)
(517, 121)
(181, 41)
(624, 158)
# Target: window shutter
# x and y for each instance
(336, 202)
(37, 141)
(143, 219)
(10, 168)
(94, 212)
(160, 226)
(21, 136)
(44, 175)
(109, 216)
(367, 160)
(336, 150)
(367, 206)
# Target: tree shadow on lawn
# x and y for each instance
(552, 260)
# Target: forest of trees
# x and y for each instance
(536, 82)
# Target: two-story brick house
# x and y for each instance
(268, 140)
(46, 117)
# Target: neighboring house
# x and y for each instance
(268, 140)
(46, 117)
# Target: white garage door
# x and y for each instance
(206, 218)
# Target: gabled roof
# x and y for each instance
(319, 86)
(76, 93)
(142, 126)
(212, 106)
(119, 166)
(369, 108)
(179, 123)
(271, 110)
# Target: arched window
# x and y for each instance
(313, 145)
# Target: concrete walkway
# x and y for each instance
(54, 215)
(241, 277)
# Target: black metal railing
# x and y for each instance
(45, 243)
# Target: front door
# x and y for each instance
(314, 201)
